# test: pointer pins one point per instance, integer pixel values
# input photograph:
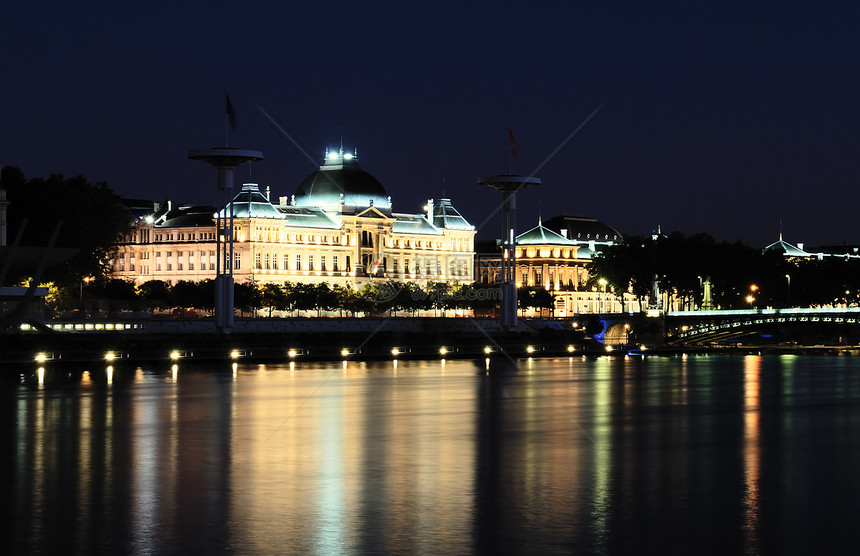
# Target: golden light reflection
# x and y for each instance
(86, 379)
(752, 451)
(40, 375)
(174, 371)
(109, 372)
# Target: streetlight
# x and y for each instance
(85, 280)
(602, 303)
(751, 297)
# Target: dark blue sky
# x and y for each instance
(727, 118)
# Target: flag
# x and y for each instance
(228, 110)
(512, 142)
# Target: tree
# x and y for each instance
(246, 297)
(92, 219)
(154, 294)
(273, 296)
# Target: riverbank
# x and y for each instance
(285, 339)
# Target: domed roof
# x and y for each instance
(583, 229)
(341, 181)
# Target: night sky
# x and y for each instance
(727, 118)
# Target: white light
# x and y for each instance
(110, 356)
(291, 353)
(332, 155)
(395, 352)
(348, 156)
(41, 357)
(443, 350)
(344, 352)
(174, 355)
(488, 349)
(571, 349)
(234, 354)
(530, 349)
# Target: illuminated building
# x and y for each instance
(339, 227)
(554, 255)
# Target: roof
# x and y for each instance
(539, 235)
(250, 203)
(309, 217)
(413, 224)
(184, 216)
(446, 216)
(786, 248)
(341, 181)
(583, 228)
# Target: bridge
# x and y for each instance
(820, 325)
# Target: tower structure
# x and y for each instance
(509, 185)
(225, 160)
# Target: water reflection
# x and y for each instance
(579, 455)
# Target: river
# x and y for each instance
(598, 455)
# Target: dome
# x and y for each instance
(341, 181)
(583, 229)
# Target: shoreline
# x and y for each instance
(334, 339)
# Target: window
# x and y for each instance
(179, 257)
(237, 260)
(394, 265)
(122, 262)
(334, 262)
(310, 262)
(322, 263)
(298, 262)
(286, 262)
(258, 264)
(268, 265)
(274, 262)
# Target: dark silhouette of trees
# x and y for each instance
(92, 219)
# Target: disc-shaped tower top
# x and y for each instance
(225, 157)
(509, 183)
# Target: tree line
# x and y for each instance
(741, 276)
(294, 298)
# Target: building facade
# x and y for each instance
(339, 227)
(554, 255)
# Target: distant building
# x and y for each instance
(554, 255)
(339, 227)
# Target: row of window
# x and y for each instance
(179, 236)
(546, 252)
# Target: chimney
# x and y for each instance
(268, 193)
(800, 246)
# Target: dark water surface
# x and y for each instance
(661, 455)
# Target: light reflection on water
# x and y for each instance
(585, 455)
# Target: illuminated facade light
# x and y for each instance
(292, 353)
(41, 358)
(571, 349)
(530, 349)
(488, 349)
(395, 352)
(110, 356)
(344, 352)
(174, 355)
(443, 350)
(234, 354)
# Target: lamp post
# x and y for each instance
(788, 288)
(751, 296)
(602, 304)
(84, 280)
